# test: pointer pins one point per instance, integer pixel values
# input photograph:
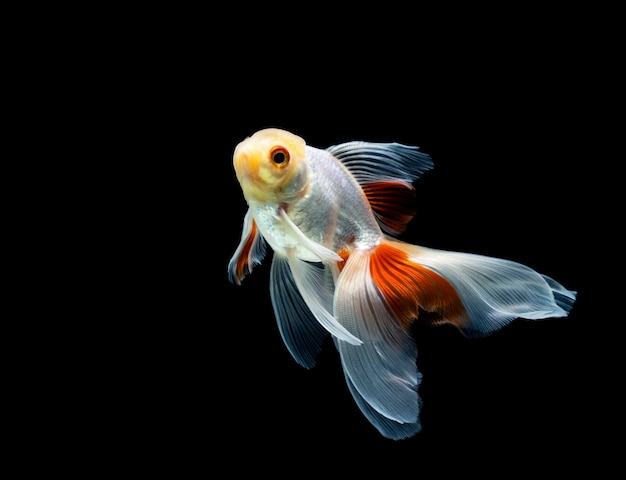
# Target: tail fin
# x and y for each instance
(381, 291)
(493, 291)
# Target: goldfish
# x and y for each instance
(333, 219)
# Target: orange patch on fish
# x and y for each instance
(408, 286)
(343, 254)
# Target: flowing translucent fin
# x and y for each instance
(312, 281)
(493, 291)
(383, 369)
(249, 253)
(302, 333)
(563, 297)
(387, 427)
(382, 162)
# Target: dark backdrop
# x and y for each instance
(191, 371)
(509, 181)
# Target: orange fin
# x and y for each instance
(393, 204)
(408, 286)
(249, 253)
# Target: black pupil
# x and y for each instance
(280, 157)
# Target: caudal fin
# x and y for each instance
(381, 291)
(477, 293)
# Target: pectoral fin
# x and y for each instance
(314, 282)
(249, 253)
(323, 253)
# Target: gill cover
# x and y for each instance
(271, 166)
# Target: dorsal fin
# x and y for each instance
(393, 204)
(386, 172)
(382, 162)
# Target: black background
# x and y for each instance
(180, 369)
(507, 182)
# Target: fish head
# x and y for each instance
(271, 166)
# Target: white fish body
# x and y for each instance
(329, 216)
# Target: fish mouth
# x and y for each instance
(247, 167)
(244, 163)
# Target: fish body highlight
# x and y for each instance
(331, 217)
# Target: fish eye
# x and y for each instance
(280, 156)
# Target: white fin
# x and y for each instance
(302, 333)
(380, 162)
(383, 369)
(313, 284)
(387, 427)
(324, 254)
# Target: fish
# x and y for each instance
(333, 219)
